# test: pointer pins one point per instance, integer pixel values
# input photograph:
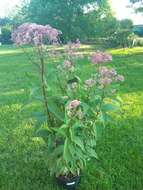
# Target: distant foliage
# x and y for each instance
(5, 37)
(76, 19)
(138, 30)
(123, 34)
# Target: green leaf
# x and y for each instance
(110, 107)
(77, 140)
(72, 149)
(55, 109)
(80, 163)
(85, 107)
(97, 130)
(58, 151)
(44, 133)
(91, 152)
(63, 130)
(66, 153)
(40, 118)
(91, 142)
(33, 91)
(77, 125)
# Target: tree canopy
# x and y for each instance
(139, 8)
(75, 18)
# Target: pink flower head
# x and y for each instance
(120, 78)
(71, 49)
(100, 57)
(113, 91)
(77, 44)
(89, 83)
(74, 85)
(106, 57)
(67, 65)
(73, 104)
(105, 81)
(31, 33)
(103, 71)
(112, 72)
(107, 72)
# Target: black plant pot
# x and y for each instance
(68, 183)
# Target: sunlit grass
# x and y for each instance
(126, 51)
(23, 159)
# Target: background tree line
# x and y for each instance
(83, 19)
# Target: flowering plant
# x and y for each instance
(77, 106)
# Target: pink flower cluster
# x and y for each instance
(105, 81)
(31, 33)
(72, 110)
(108, 75)
(74, 85)
(120, 78)
(107, 72)
(71, 48)
(100, 57)
(89, 83)
(73, 104)
(67, 64)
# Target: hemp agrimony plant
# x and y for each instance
(77, 107)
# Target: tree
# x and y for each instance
(139, 7)
(5, 21)
(5, 37)
(73, 17)
(136, 1)
(123, 33)
(6, 25)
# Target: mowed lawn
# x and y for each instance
(23, 163)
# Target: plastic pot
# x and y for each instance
(68, 183)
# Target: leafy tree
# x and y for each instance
(106, 27)
(74, 18)
(139, 8)
(124, 32)
(5, 37)
(135, 1)
(5, 21)
(6, 25)
(138, 30)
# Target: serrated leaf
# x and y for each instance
(97, 130)
(44, 133)
(55, 109)
(33, 91)
(91, 142)
(91, 152)
(58, 151)
(66, 153)
(77, 140)
(85, 107)
(77, 125)
(62, 130)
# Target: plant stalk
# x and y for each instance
(42, 71)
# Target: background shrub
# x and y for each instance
(5, 37)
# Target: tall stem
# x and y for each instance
(101, 102)
(42, 72)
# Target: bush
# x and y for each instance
(5, 37)
(138, 41)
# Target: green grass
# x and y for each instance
(23, 160)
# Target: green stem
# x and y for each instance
(42, 71)
(101, 102)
